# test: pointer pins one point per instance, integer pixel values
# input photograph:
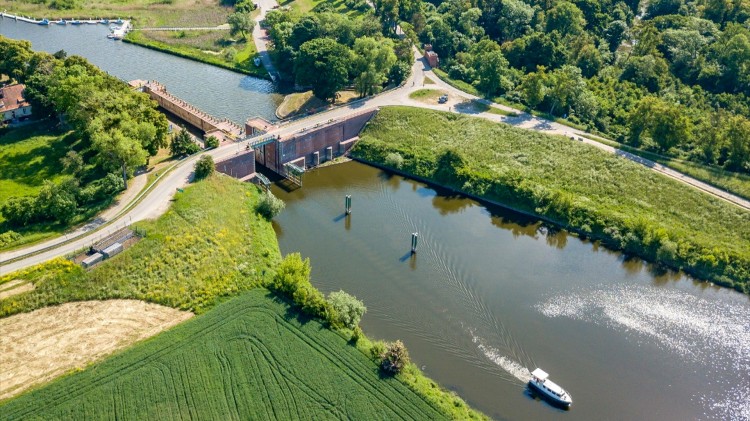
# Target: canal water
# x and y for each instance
(219, 92)
(489, 294)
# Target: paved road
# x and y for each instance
(260, 36)
(157, 201)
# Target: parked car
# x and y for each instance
(443, 99)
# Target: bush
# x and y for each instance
(395, 358)
(204, 167)
(293, 281)
(20, 211)
(348, 308)
(212, 142)
(394, 160)
(9, 237)
(269, 205)
(183, 144)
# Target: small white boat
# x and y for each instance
(548, 389)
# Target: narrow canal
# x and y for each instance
(489, 294)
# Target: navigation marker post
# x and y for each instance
(414, 240)
(348, 204)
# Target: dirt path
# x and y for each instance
(36, 347)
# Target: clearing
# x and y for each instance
(39, 346)
(251, 357)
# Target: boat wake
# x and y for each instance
(714, 333)
(514, 368)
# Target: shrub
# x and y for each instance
(348, 308)
(269, 205)
(20, 211)
(212, 142)
(395, 358)
(9, 237)
(394, 160)
(293, 281)
(182, 144)
(204, 167)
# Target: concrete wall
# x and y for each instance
(181, 109)
(304, 145)
(239, 166)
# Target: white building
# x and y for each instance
(13, 106)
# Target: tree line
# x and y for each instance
(117, 127)
(328, 52)
(666, 75)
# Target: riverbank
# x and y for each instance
(197, 256)
(241, 62)
(580, 188)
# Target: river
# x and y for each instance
(217, 91)
(488, 293)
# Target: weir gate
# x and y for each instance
(278, 147)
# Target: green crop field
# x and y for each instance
(250, 358)
(576, 185)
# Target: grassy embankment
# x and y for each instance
(29, 155)
(577, 186)
(735, 183)
(212, 245)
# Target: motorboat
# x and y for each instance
(548, 389)
(43, 22)
(61, 22)
(75, 22)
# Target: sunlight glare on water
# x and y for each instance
(676, 321)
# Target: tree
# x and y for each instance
(240, 23)
(737, 135)
(395, 358)
(117, 150)
(204, 167)
(515, 19)
(534, 87)
(348, 308)
(565, 18)
(373, 61)
(14, 58)
(492, 72)
(589, 60)
(269, 205)
(665, 123)
(323, 64)
(212, 142)
(72, 162)
(616, 31)
(183, 144)
(566, 84)
(647, 71)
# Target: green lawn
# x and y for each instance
(250, 358)
(192, 256)
(576, 185)
(339, 6)
(28, 156)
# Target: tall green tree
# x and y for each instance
(373, 60)
(323, 64)
(240, 23)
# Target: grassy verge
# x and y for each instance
(426, 95)
(576, 186)
(298, 103)
(458, 84)
(192, 256)
(338, 6)
(242, 61)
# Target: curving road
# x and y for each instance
(157, 200)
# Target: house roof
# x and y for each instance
(11, 98)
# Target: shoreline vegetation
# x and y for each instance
(200, 256)
(582, 189)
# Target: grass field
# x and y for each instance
(250, 357)
(192, 256)
(338, 6)
(576, 185)
(28, 156)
